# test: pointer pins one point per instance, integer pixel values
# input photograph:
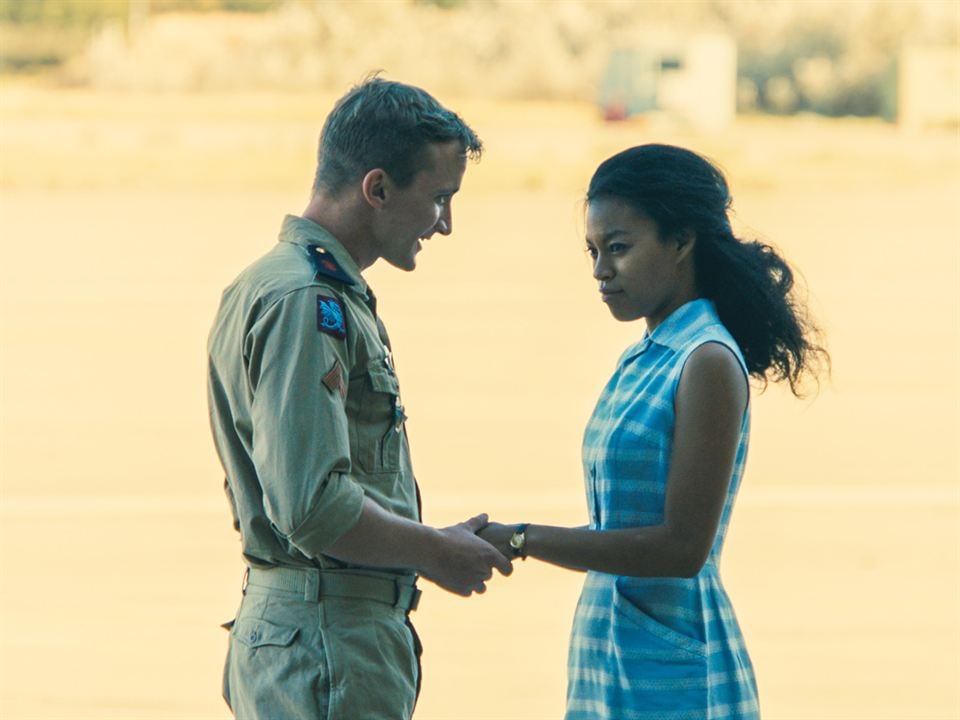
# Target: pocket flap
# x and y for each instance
(382, 380)
(256, 633)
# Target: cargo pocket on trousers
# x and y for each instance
(255, 633)
(277, 669)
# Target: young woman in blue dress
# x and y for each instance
(655, 636)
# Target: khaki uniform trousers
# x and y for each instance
(298, 653)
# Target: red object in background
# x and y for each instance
(615, 111)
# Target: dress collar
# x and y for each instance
(683, 323)
(677, 328)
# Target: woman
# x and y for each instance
(655, 635)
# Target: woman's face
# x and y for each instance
(641, 275)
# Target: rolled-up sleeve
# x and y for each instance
(301, 443)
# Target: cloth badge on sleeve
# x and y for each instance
(330, 317)
(335, 381)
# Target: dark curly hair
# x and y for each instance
(749, 282)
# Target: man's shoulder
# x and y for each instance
(287, 269)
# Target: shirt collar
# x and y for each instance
(300, 231)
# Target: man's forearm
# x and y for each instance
(453, 557)
(381, 539)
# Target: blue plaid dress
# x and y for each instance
(654, 648)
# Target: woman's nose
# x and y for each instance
(601, 270)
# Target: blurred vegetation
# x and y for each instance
(37, 35)
(832, 58)
(86, 13)
(60, 13)
(446, 4)
(40, 34)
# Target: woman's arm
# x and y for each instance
(711, 399)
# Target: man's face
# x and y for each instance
(414, 213)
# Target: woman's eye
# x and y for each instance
(592, 252)
(443, 200)
(616, 247)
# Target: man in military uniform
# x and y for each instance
(307, 420)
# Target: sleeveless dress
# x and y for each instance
(654, 648)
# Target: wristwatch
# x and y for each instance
(518, 541)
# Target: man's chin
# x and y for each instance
(406, 264)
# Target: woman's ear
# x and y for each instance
(686, 239)
(374, 187)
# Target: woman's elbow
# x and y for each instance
(690, 566)
(675, 557)
(687, 559)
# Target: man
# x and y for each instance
(307, 420)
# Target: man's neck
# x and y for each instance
(343, 218)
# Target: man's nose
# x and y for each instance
(444, 224)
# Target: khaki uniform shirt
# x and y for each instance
(304, 401)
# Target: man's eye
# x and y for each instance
(443, 200)
(616, 247)
(592, 252)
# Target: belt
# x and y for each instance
(399, 591)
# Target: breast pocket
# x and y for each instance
(378, 429)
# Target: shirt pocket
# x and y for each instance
(378, 424)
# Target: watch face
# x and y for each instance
(515, 542)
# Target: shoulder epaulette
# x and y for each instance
(324, 264)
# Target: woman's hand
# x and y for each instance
(498, 535)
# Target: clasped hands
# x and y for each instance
(499, 536)
(467, 554)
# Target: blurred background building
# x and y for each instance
(691, 77)
(928, 87)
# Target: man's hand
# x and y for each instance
(499, 536)
(462, 562)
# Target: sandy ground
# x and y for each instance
(121, 218)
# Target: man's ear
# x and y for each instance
(374, 187)
(686, 239)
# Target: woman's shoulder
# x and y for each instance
(706, 337)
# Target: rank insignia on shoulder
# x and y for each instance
(325, 265)
(330, 317)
